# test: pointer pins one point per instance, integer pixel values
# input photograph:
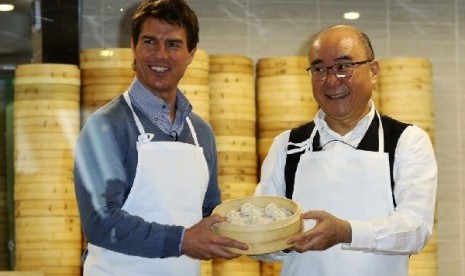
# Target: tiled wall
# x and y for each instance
(264, 28)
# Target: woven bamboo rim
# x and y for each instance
(107, 81)
(24, 178)
(51, 243)
(231, 78)
(282, 71)
(64, 92)
(231, 68)
(39, 208)
(91, 54)
(405, 61)
(193, 72)
(237, 170)
(235, 144)
(303, 80)
(237, 159)
(53, 70)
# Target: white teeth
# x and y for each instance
(159, 68)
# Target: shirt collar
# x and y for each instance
(157, 110)
(360, 129)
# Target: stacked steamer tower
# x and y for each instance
(46, 125)
(232, 116)
(406, 94)
(285, 100)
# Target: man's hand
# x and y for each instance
(328, 231)
(201, 242)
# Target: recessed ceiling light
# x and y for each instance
(351, 15)
(6, 7)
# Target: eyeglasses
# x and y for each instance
(341, 70)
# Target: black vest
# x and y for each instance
(392, 131)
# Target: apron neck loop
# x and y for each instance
(143, 137)
(194, 134)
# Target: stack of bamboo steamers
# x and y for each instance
(46, 126)
(406, 94)
(285, 97)
(232, 116)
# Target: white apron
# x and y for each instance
(169, 188)
(353, 184)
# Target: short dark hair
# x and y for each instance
(175, 12)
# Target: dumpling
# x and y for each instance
(270, 209)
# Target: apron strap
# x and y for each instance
(136, 118)
(192, 129)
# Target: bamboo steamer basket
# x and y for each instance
(233, 119)
(265, 238)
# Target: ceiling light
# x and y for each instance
(351, 15)
(6, 7)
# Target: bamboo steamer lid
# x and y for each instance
(45, 91)
(283, 62)
(91, 54)
(277, 233)
(47, 73)
(92, 58)
(235, 144)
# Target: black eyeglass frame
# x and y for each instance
(332, 67)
